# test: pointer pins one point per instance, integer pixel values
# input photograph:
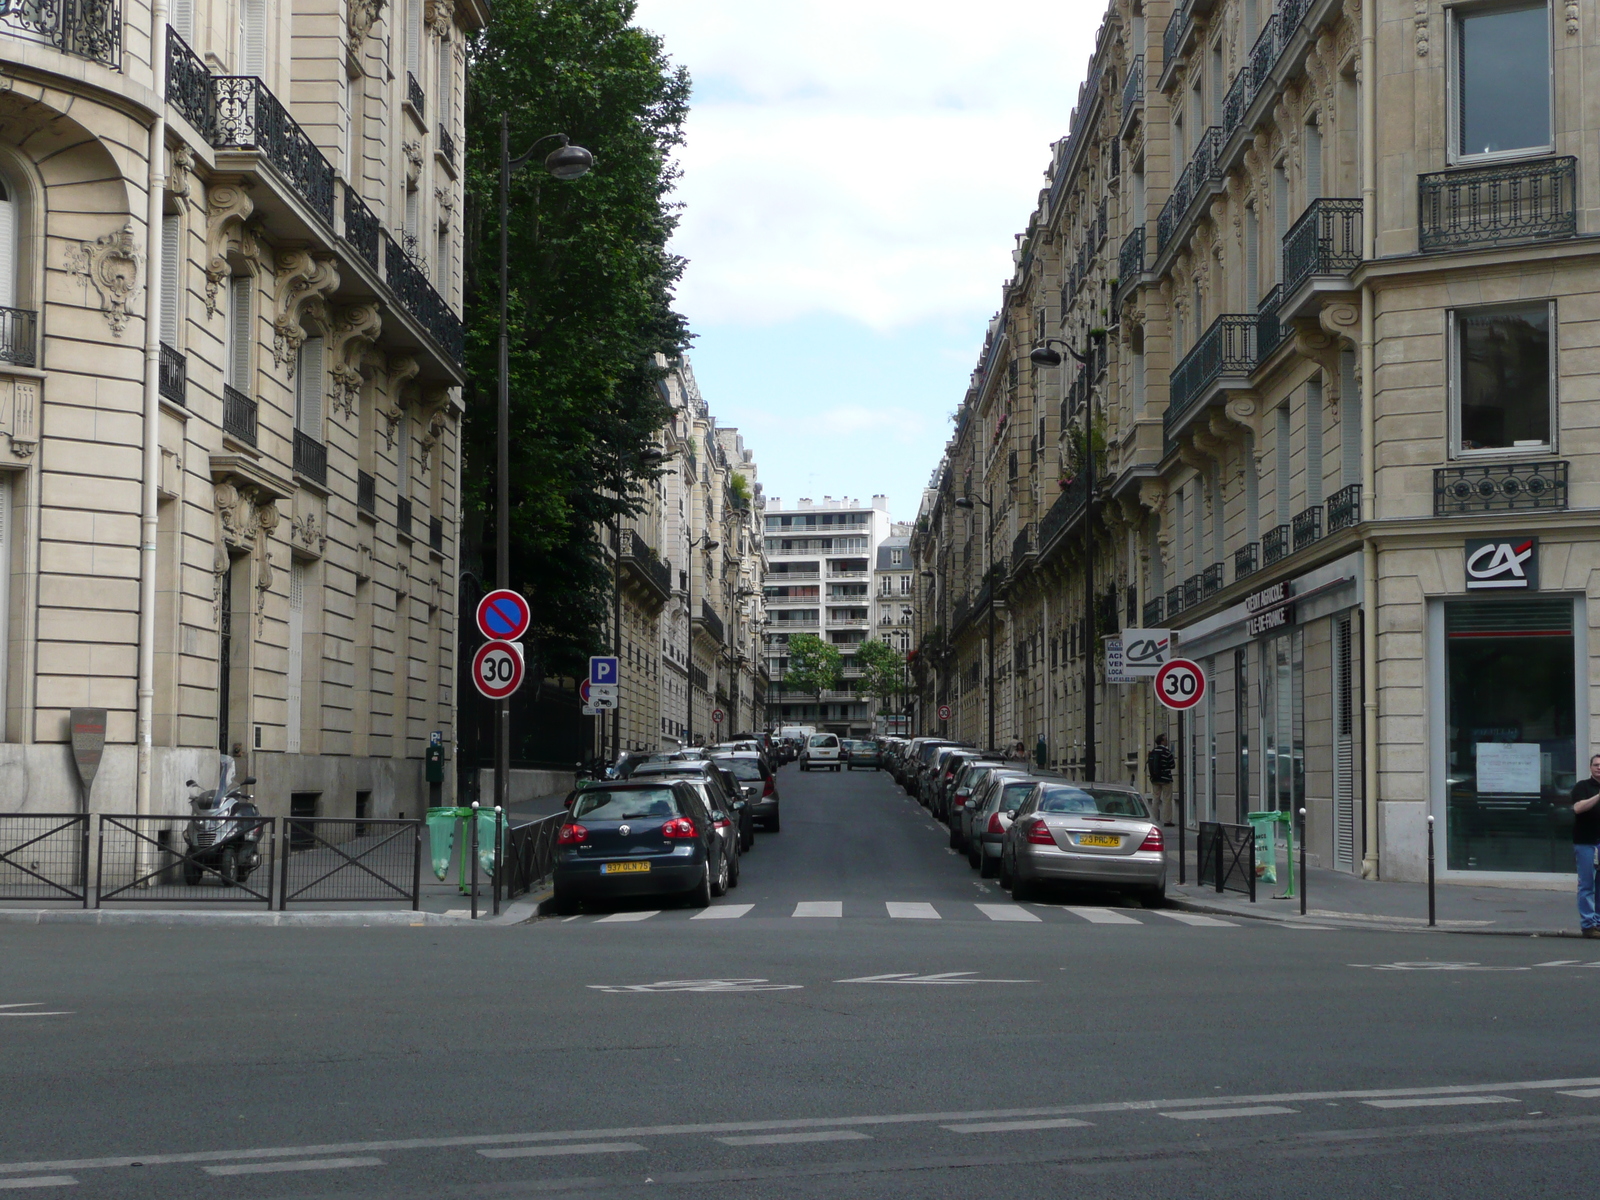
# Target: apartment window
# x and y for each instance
(897, 557)
(308, 389)
(1282, 465)
(239, 333)
(446, 86)
(1502, 80)
(1313, 160)
(1314, 442)
(1280, 216)
(8, 246)
(1504, 378)
(1252, 491)
(1136, 343)
(171, 276)
(1252, 257)
(253, 37)
(1349, 418)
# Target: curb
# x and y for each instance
(519, 912)
(1222, 910)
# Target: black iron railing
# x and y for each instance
(1022, 544)
(347, 859)
(1234, 103)
(642, 557)
(402, 516)
(436, 534)
(89, 29)
(1500, 487)
(1344, 508)
(1274, 545)
(1151, 614)
(420, 299)
(1485, 206)
(447, 145)
(1307, 526)
(1326, 240)
(1200, 171)
(1172, 36)
(366, 493)
(173, 375)
(1130, 259)
(361, 227)
(238, 415)
(531, 853)
(1263, 55)
(1191, 591)
(189, 85)
(1064, 510)
(1211, 580)
(19, 336)
(415, 96)
(1245, 560)
(44, 856)
(1133, 86)
(249, 117)
(310, 458)
(712, 623)
(1228, 347)
(1225, 858)
(1270, 331)
(1174, 601)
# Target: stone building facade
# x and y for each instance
(230, 392)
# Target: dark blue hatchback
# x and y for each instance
(644, 838)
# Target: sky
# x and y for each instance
(854, 177)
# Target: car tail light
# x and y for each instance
(571, 834)
(1152, 840)
(994, 825)
(678, 827)
(1039, 834)
(723, 824)
(766, 787)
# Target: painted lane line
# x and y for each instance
(1006, 912)
(1018, 1126)
(819, 908)
(301, 1164)
(1188, 918)
(1103, 916)
(1222, 1114)
(629, 916)
(1438, 1101)
(38, 1181)
(723, 912)
(915, 911)
(30, 1004)
(786, 1139)
(1560, 962)
(549, 1151)
(1583, 1093)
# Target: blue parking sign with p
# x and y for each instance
(602, 670)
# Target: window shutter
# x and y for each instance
(414, 37)
(240, 328)
(1280, 477)
(413, 217)
(308, 389)
(1280, 215)
(253, 37)
(1313, 442)
(1350, 417)
(183, 19)
(171, 277)
(1313, 161)
(402, 466)
(1252, 257)
(8, 250)
(296, 682)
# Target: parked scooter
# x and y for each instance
(216, 839)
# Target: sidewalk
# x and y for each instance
(1338, 899)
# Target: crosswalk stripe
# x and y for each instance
(1006, 912)
(296, 1164)
(722, 912)
(1224, 1114)
(915, 911)
(1438, 1101)
(631, 916)
(1188, 918)
(1016, 1126)
(819, 908)
(571, 1148)
(1104, 916)
(38, 1181)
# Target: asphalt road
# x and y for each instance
(1073, 1048)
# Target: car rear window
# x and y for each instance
(627, 805)
(973, 779)
(825, 741)
(742, 768)
(1013, 794)
(1081, 800)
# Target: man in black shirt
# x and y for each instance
(1159, 764)
(1585, 837)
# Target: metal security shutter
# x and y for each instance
(171, 277)
(1508, 618)
(308, 389)
(1344, 806)
(297, 630)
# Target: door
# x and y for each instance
(1344, 795)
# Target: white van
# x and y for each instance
(821, 750)
(798, 732)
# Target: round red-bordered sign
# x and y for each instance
(1180, 684)
(944, 712)
(497, 669)
(503, 615)
(716, 716)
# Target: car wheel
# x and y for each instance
(719, 885)
(955, 837)
(988, 868)
(566, 905)
(1153, 897)
(772, 825)
(699, 896)
(1021, 889)
(1005, 873)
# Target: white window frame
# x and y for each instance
(1453, 396)
(1453, 154)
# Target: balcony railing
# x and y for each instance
(415, 96)
(189, 85)
(1133, 87)
(1274, 545)
(249, 117)
(310, 458)
(1174, 601)
(1500, 487)
(1235, 102)
(1130, 260)
(89, 29)
(361, 228)
(639, 555)
(1172, 36)
(1023, 543)
(1064, 510)
(1270, 331)
(447, 145)
(402, 517)
(366, 493)
(1491, 206)
(1211, 580)
(436, 534)
(1228, 347)
(712, 623)
(1202, 166)
(1307, 526)
(1152, 613)
(418, 297)
(1244, 561)
(238, 415)
(19, 330)
(1326, 240)
(174, 376)
(1344, 508)
(1191, 591)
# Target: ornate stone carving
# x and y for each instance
(114, 264)
(1341, 320)
(24, 417)
(363, 561)
(1572, 18)
(401, 371)
(245, 520)
(438, 16)
(413, 153)
(402, 581)
(355, 330)
(445, 198)
(362, 15)
(1420, 19)
(180, 167)
(304, 280)
(435, 597)
(227, 206)
(311, 533)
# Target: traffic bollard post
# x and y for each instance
(1430, 872)
(499, 853)
(474, 860)
(1302, 862)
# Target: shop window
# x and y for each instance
(1510, 712)
(1283, 750)
(1502, 80)
(1503, 380)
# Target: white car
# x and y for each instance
(822, 750)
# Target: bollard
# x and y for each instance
(474, 819)
(1302, 862)
(499, 853)
(1430, 872)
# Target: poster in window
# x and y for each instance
(1508, 768)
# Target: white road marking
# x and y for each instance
(31, 1004)
(549, 1151)
(699, 985)
(37, 1181)
(1006, 912)
(1561, 962)
(1017, 1126)
(914, 911)
(298, 1164)
(722, 912)
(1189, 918)
(629, 916)
(1221, 1114)
(1104, 916)
(1438, 1101)
(1583, 1093)
(819, 908)
(944, 977)
(784, 1139)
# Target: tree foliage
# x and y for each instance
(883, 671)
(590, 297)
(814, 665)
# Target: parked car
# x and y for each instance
(759, 785)
(944, 784)
(988, 816)
(917, 762)
(728, 793)
(639, 838)
(932, 773)
(821, 752)
(972, 773)
(862, 753)
(1084, 833)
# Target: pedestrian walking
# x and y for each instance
(1159, 764)
(1585, 839)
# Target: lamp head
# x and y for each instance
(713, 545)
(1045, 356)
(963, 502)
(567, 161)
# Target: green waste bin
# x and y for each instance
(1266, 825)
(441, 836)
(443, 824)
(488, 839)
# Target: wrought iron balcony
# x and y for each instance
(1274, 545)
(1244, 561)
(1022, 544)
(1191, 591)
(1235, 102)
(1177, 26)
(712, 623)
(1344, 508)
(1174, 600)
(1211, 580)
(403, 524)
(420, 299)
(238, 415)
(1152, 613)
(361, 228)
(366, 493)
(638, 555)
(1133, 88)
(1500, 487)
(19, 335)
(415, 96)
(1494, 206)
(436, 534)
(1227, 348)
(189, 85)
(446, 145)
(89, 29)
(1064, 511)
(1200, 171)
(1307, 526)
(310, 458)
(1130, 260)
(1271, 331)
(1326, 240)
(174, 376)
(249, 117)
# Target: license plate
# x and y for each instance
(624, 868)
(1099, 839)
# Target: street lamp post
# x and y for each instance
(705, 540)
(564, 162)
(988, 557)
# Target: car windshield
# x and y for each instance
(626, 805)
(742, 768)
(1082, 800)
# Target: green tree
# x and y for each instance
(590, 298)
(815, 666)
(883, 671)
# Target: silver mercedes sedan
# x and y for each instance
(1084, 833)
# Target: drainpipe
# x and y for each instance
(1369, 417)
(154, 201)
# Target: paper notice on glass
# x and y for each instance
(1508, 768)
(1116, 662)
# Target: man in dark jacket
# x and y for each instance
(1585, 837)
(1160, 764)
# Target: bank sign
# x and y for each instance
(1503, 564)
(1270, 608)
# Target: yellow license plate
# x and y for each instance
(1099, 839)
(624, 868)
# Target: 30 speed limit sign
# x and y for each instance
(497, 669)
(1180, 684)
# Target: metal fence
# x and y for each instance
(1226, 858)
(173, 858)
(44, 856)
(530, 854)
(346, 859)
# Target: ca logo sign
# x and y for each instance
(1498, 565)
